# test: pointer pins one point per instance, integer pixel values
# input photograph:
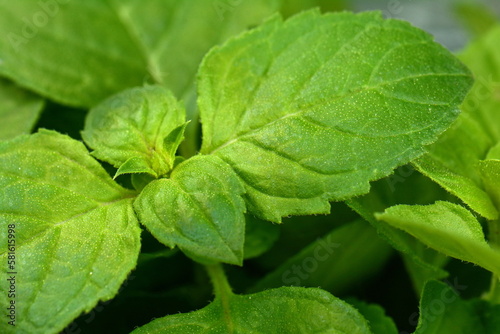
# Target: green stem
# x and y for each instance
(222, 291)
(494, 240)
(219, 280)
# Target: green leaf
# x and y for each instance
(124, 43)
(494, 152)
(490, 171)
(19, 110)
(336, 262)
(442, 166)
(477, 17)
(448, 228)
(260, 236)
(476, 131)
(305, 116)
(406, 185)
(291, 7)
(442, 311)
(76, 235)
(284, 310)
(137, 131)
(375, 314)
(199, 209)
(483, 101)
(424, 264)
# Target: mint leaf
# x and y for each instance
(329, 262)
(477, 17)
(19, 110)
(129, 42)
(448, 228)
(375, 314)
(259, 236)
(494, 152)
(424, 264)
(137, 131)
(405, 186)
(490, 171)
(483, 100)
(76, 234)
(312, 109)
(475, 132)
(442, 311)
(284, 310)
(199, 209)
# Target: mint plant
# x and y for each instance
(202, 149)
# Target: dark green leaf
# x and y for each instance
(335, 262)
(259, 236)
(19, 110)
(379, 322)
(123, 43)
(442, 311)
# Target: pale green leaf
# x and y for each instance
(77, 237)
(199, 209)
(137, 131)
(483, 58)
(291, 7)
(285, 310)
(312, 109)
(477, 17)
(19, 110)
(123, 43)
(476, 131)
(336, 262)
(448, 228)
(443, 311)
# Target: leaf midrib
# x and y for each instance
(250, 132)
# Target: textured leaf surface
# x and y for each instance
(476, 131)
(312, 109)
(448, 228)
(19, 110)
(339, 260)
(137, 130)
(77, 237)
(199, 209)
(283, 310)
(124, 43)
(442, 311)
